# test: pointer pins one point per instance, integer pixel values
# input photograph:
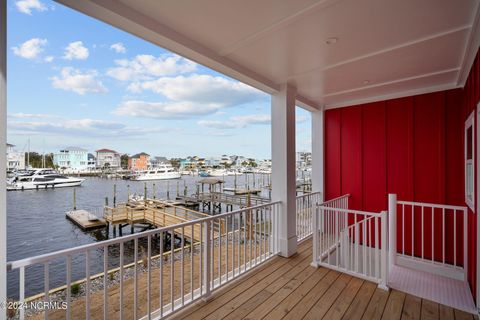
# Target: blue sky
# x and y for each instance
(75, 81)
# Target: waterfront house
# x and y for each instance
(391, 228)
(157, 161)
(304, 159)
(71, 159)
(139, 161)
(107, 158)
(15, 159)
(92, 161)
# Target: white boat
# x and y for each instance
(218, 173)
(42, 179)
(164, 172)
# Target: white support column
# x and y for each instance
(3, 155)
(318, 154)
(284, 167)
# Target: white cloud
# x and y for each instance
(189, 96)
(76, 51)
(30, 49)
(201, 89)
(48, 59)
(21, 115)
(118, 47)
(145, 67)
(163, 110)
(79, 127)
(237, 122)
(26, 6)
(71, 79)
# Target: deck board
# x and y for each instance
(292, 289)
(283, 288)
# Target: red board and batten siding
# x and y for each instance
(410, 146)
(404, 146)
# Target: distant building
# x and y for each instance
(157, 161)
(239, 161)
(139, 161)
(15, 160)
(107, 158)
(304, 159)
(71, 159)
(212, 162)
(92, 161)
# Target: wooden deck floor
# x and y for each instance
(292, 289)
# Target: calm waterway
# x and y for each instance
(37, 225)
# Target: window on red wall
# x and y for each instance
(469, 163)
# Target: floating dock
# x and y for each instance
(85, 220)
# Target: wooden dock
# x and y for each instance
(240, 200)
(85, 220)
(157, 213)
(239, 191)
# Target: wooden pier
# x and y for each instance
(156, 213)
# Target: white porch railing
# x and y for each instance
(220, 249)
(350, 241)
(306, 204)
(429, 237)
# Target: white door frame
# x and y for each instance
(477, 126)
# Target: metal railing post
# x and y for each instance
(392, 230)
(315, 260)
(384, 257)
(207, 261)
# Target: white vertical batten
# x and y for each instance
(318, 155)
(3, 155)
(283, 166)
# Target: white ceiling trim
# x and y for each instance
(322, 4)
(471, 49)
(386, 50)
(381, 84)
(307, 104)
(395, 95)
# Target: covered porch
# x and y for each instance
(392, 87)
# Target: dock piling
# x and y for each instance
(114, 195)
(154, 191)
(168, 190)
(74, 198)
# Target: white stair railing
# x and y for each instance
(209, 253)
(351, 241)
(429, 237)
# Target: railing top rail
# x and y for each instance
(335, 199)
(97, 245)
(433, 205)
(365, 213)
(308, 194)
(379, 215)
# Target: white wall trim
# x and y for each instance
(470, 50)
(3, 155)
(478, 202)
(402, 94)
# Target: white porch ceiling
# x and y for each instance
(385, 48)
